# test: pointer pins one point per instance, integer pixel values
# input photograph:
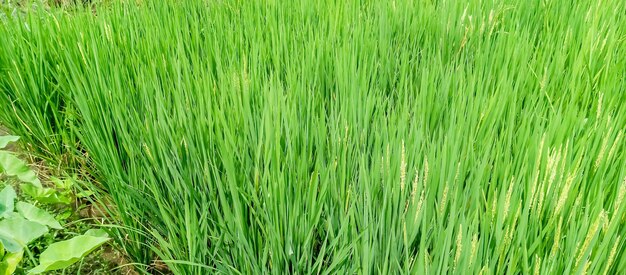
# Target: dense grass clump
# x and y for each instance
(338, 136)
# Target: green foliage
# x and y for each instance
(10, 262)
(32, 213)
(29, 223)
(43, 127)
(62, 254)
(13, 166)
(21, 231)
(47, 195)
(7, 197)
(5, 140)
(270, 137)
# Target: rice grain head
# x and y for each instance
(586, 268)
(507, 200)
(459, 246)
(557, 239)
(616, 142)
(420, 203)
(609, 262)
(540, 200)
(602, 150)
(474, 247)
(485, 269)
(590, 235)
(402, 168)
(414, 186)
(564, 194)
(444, 200)
(537, 265)
(620, 198)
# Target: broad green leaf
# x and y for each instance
(10, 245)
(45, 195)
(13, 166)
(35, 214)
(84, 194)
(65, 214)
(21, 230)
(5, 140)
(10, 262)
(1, 250)
(65, 184)
(7, 200)
(65, 253)
(97, 233)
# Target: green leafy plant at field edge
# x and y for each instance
(21, 223)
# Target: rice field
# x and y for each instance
(335, 137)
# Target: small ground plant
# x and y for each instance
(23, 223)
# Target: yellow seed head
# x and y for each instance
(420, 203)
(444, 198)
(612, 255)
(620, 197)
(590, 235)
(474, 247)
(147, 150)
(459, 245)
(484, 270)
(586, 268)
(531, 199)
(414, 187)
(402, 168)
(553, 164)
(506, 241)
(382, 166)
(615, 144)
(426, 261)
(507, 200)
(557, 238)
(601, 154)
(493, 208)
(404, 232)
(537, 265)
(578, 200)
(564, 194)
(542, 195)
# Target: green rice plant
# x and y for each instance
(33, 105)
(344, 137)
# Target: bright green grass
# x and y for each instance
(361, 137)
